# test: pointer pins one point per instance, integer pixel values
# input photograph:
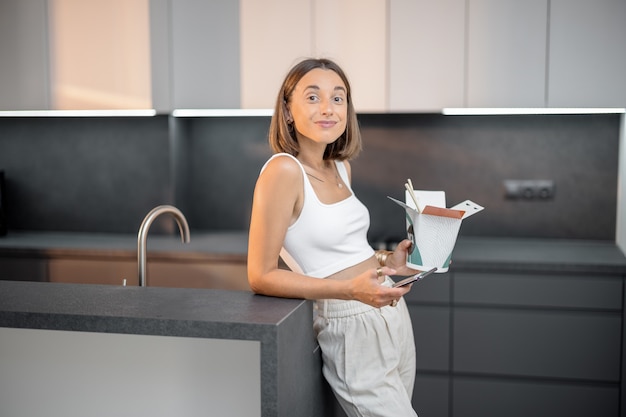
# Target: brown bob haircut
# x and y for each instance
(282, 135)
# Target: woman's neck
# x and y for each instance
(316, 164)
(313, 157)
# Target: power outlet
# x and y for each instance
(529, 189)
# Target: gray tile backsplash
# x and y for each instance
(84, 174)
(105, 174)
(470, 157)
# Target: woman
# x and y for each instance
(304, 211)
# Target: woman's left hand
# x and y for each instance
(397, 259)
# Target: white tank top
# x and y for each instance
(326, 238)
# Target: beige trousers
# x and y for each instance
(368, 357)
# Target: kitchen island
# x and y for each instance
(73, 349)
(516, 323)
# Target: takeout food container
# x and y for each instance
(433, 228)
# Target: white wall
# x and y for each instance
(66, 374)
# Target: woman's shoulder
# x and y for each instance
(283, 165)
(282, 161)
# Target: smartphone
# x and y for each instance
(414, 278)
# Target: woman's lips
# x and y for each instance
(326, 123)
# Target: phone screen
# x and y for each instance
(414, 278)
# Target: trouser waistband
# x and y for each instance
(330, 308)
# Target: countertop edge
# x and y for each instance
(221, 314)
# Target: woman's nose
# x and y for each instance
(326, 107)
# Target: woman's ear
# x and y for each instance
(287, 114)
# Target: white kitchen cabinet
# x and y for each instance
(99, 54)
(408, 55)
(453, 53)
(273, 35)
(24, 66)
(194, 52)
(400, 55)
(278, 33)
(204, 54)
(355, 34)
(587, 54)
(426, 55)
(506, 53)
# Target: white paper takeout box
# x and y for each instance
(433, 228)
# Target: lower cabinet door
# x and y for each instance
(492, 397)
(431, 395)
(570, 345)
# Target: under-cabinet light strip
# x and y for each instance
(221, 112)
(461, 111)
(78, 113)
(513, 111)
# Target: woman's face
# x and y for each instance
(319, 106)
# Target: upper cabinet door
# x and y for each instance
(24, 67)
(506, 53)
(354, 34)
(587, 53)
(204, 55)
(426, 54)
(100, 54)
(276, 34)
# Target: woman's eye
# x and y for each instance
(312, 98)
(339, 100)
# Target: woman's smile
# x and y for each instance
(326, 123)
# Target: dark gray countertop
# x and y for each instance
(550, 255)
(142, 310)
(470, 252)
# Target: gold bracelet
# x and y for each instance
(382, 255)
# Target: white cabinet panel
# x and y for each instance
(587, 53)
(426, 54)
(99, 55)
(105, 374)
(24, 64)
(276, 34)
(506, 49)
(204, 54)
(354, 34)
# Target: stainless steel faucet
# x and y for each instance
(142, 237)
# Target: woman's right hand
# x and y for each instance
(367, 288)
